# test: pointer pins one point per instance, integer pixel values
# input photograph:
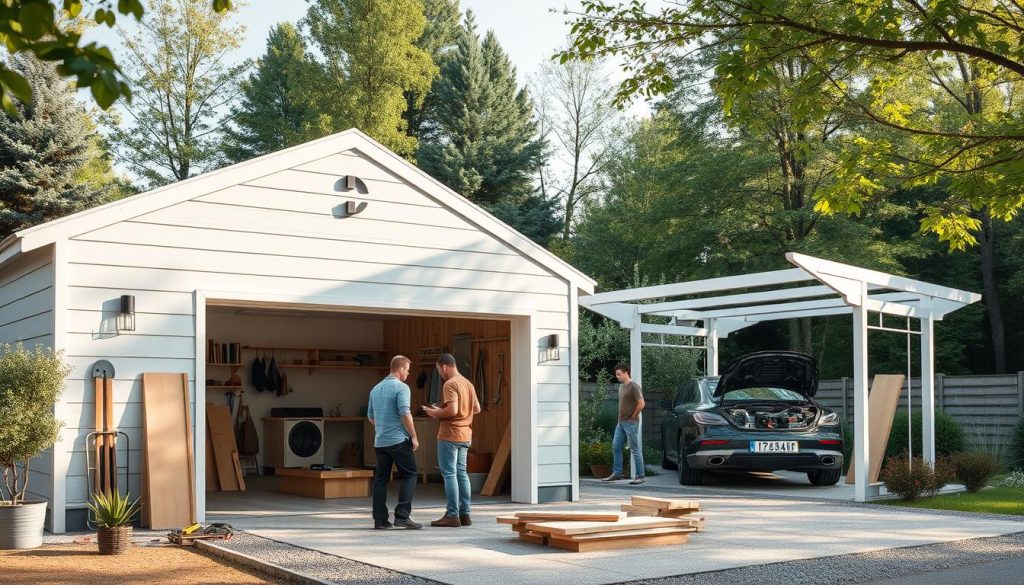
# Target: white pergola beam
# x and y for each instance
(708, 285)
(884, 303)
(740, 299)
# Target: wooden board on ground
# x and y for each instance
(882, 402)
(168, 490)
(627, 534)
(645, 511)
(634, 523)
(664, 503)
(533, 537)
(576, 516)
(237, 466)
(614, 543)
(218, 420)
(211, 468)
(500, 465)
(508, 520)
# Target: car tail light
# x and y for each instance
(708, 418)
(830, 442)
(714, 442)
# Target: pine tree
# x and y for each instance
(44, 152)
(439, 39)
(277, 109)
(371, 54)
(486, 144)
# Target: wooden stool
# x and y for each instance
(249, 463)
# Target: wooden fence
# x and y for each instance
(988, 408)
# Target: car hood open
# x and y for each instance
(772, 369)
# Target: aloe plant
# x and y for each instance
(114, 510)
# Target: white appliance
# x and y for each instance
(303, 442)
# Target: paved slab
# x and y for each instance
(742, 530)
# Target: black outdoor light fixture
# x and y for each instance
(126, 316)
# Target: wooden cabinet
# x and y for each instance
(426, 455)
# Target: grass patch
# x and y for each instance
(994, 500)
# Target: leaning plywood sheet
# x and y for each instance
(218, 421)
(567, 516)
(168, 492)
(634, 523)
(500, 466)
(882, 401)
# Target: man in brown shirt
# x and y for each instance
(631, 403)
(454, 436)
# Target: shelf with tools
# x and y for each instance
(318, 358)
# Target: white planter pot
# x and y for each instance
(22, 526)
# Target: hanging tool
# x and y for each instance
(480, 378)
(102, 468)
(501, 377)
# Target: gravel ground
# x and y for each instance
(316, 564)
(861, 568)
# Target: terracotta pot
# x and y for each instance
(114, 541)
(22, 526)
(600, 471)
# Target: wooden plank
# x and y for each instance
(628, 534)
(569, 516)
(508, 520)
(664, 503)
(218, 420)
(634, 523)
(212, 484)
(882, 402)
(534, 537)
(501, 463)
(237, 466)
(615, 543)
(168, 495)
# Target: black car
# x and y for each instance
(759, 415)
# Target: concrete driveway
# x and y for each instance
(742, 529)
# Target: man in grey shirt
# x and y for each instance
(631, 403)
(394, 441)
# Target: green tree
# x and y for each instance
(486, 145)
(439, 39)
(37, 27)
(858, 51)
(46, 150)
(371, 52)
(180, 68)
(277, 107)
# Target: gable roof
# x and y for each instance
(90, 219)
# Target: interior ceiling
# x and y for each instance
(299, 313)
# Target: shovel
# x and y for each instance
(106, 443)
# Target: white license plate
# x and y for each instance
(774, 447)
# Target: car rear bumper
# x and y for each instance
(744, 460)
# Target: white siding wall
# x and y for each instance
(278, 235)
(26, 315)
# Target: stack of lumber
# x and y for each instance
(666, 522)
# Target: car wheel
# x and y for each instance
(666, 463)
(687, 475)
(824, 476)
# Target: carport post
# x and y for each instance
(636, 369)
(860, 398)
(711, 355)
(927, 388)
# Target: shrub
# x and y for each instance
(949, 437)
(594, 453)
(1013, 480)
(1015, 454)
(30, 383)
(974, 470)
(911, 480)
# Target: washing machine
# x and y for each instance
(303, 442)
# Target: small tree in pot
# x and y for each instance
(114, 514)
(30, 384)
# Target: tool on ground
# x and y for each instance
(190, 534)
(501, 377)
(101, 445)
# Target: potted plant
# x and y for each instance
(30, 384)
(114, 514)
(597, 457)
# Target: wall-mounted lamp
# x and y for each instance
(126, 316)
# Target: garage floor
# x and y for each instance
(743, 529)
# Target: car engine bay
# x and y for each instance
(772, 416)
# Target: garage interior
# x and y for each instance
(329, 361)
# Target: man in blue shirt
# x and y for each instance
(394, 441)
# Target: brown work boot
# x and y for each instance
(447, 521)
(465, 520)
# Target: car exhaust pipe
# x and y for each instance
(828, 460)
(716, 460)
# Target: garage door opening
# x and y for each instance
(303, 376)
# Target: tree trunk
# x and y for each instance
(986, 247)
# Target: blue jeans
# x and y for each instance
(627, 432)
(451, 459)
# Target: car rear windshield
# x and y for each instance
(760, 394)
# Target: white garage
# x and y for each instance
(315, 256)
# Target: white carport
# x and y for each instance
(838, 289)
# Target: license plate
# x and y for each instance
(774, 447)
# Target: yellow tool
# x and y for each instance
(190, 529)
